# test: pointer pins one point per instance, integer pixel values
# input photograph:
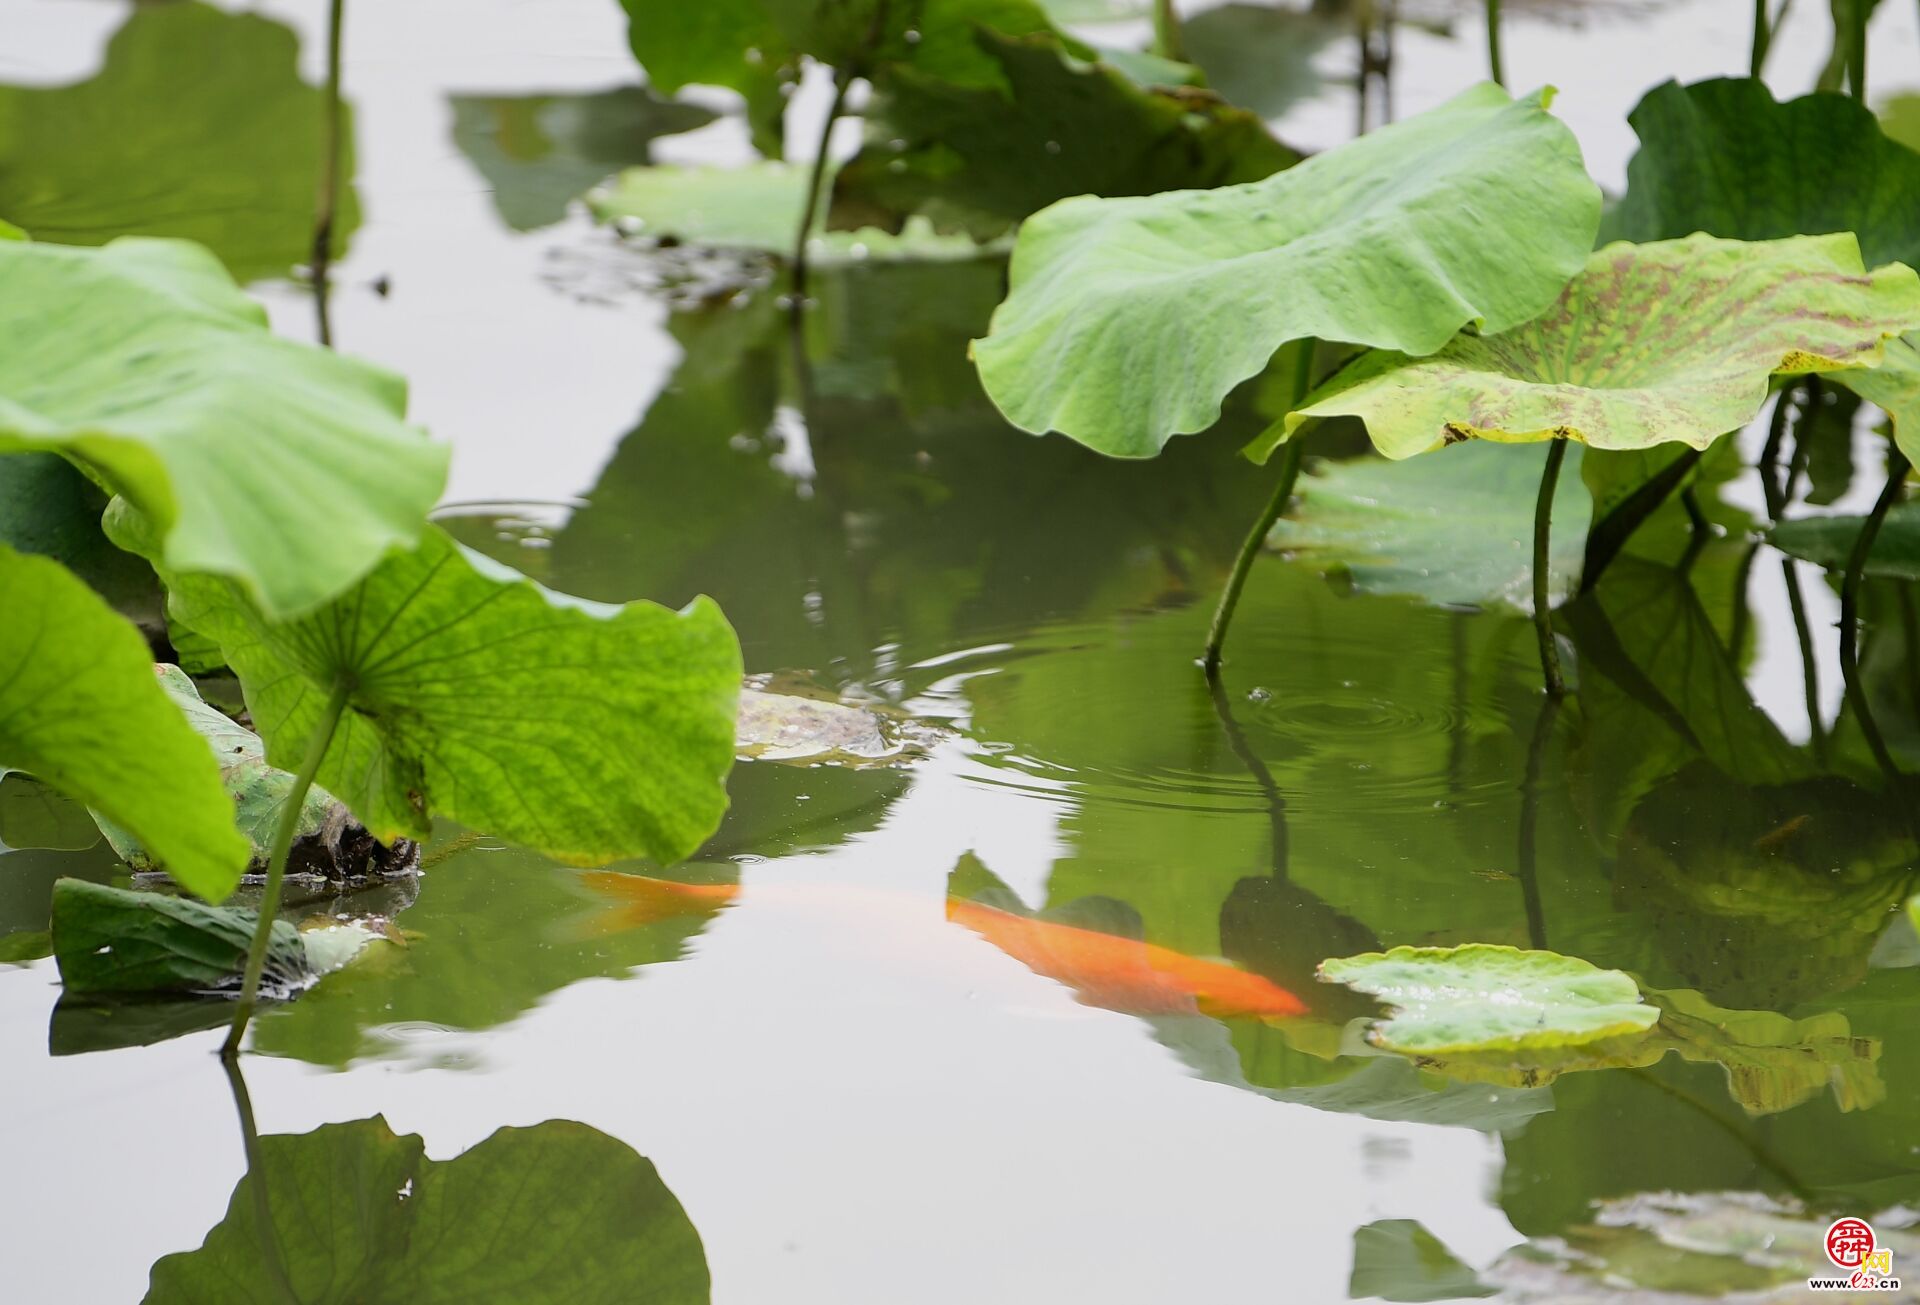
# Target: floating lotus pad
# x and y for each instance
(1482, 997)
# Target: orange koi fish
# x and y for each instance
(1119, 974)
(643, 901)
(1114, 973)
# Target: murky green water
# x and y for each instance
(853, 1097)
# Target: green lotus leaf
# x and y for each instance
(327, 840)
(539, 152)
(1894, 386)
(582, 730)
(35, 816)
(981, 159)
(1828, 542)
(1673, 341)
(110, 940)
(81, 711)
(1482, 997)
(1455, 530)
(49, 508)
(1399, 1260)
(1724, 158)
(1129, 320)
(753, 46)
(937, 37)
(556, 1214)
(284, 466)
(1772, 1063)
(196, 126)
(754, 208)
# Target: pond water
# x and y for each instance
(853, 1096)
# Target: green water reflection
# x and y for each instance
(1375, 771)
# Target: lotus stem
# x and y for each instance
(1249, 550)
(256, 1181)
(317, 745)
(1542, 568)
(817, 181)
(1527, 853)
(1809, 664)
(1493, 43)
(1857, 44)
(1762, 38)
(1897, 468)
(1262, 775)
(1257, 537)
(320, 262)
(1166, 32)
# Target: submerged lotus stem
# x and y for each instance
(331, 140)
(1493, 43)
(1542, 569)
(1897, 468)
(817, 182)
(263, 1229)
(1257, 537)
(317, 745)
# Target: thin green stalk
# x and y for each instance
(817, 181)
(1762, 38)
(317, 745)
(320, 262)
(1249, 550)
(1542, 568)
(1897, 468)
(1257, 537)
(1262, 775)
(1493, 42)
(1857, 46)
(1166, 32)
(1527, 861)
(256, 1181)
(1809, 664)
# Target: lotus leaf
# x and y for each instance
(196, 126)
(1129, 320)
(1453, 530)
(755, 208)
(1724, 158)
(1895, 387)
(1673, 341)
(1398, 1260)
(81, 710)
(538, 152)
(111, 940)
(982, 158)
(1828, 542)
(286, 467)
(1772, 1063)
(327, 840)
(556, 1214)
(1482, 997)
(579, 729)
